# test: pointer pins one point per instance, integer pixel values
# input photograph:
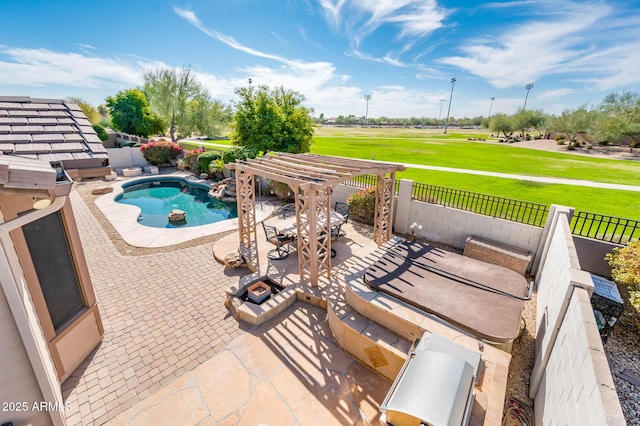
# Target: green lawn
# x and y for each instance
(418, 146)
(431, 147)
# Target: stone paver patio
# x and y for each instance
(168, 336)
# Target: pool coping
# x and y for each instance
(124, 218)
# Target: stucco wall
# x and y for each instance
(126, 157)
(452, 227)
(591, 254)
(577, 387)
(571, 382)
(18, 381)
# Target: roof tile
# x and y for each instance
(87, 130)
(3, 112)
(92, 139)
(4, 128)
(57, 107)
(35, 106)
(57, 114)
(56, 156)
(32, 148)
(6, 147)
(66, 120)
(73, 137)
(97, 147)
(43, 120)
(13, 120)
(16, 138)
(73, 107)
(10, 105)
(48, 137)
(80, 155)
(83, 122)
(63, 129)
(23, 113)
(27, 129)
(68, 147)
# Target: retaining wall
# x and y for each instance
(571, 381)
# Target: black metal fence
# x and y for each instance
(489, 205)
(368, 181)
(606, 228)
(592, 225)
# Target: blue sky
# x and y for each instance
(402, 52)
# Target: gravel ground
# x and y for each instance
(623, 352)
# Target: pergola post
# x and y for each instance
(383, 221)
(314, 239)
(246, 199)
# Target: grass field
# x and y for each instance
(431, 147)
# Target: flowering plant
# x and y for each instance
(413, 230)
(161, 152)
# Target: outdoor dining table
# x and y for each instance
(289, 225)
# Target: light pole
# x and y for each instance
(367, 98)
(440, 115)
(446, 124)
(528, 87)
(491, 107)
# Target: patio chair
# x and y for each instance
(281, 241)
(335, 234)
(343, 209)
(286, 211)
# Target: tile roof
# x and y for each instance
(46, 129)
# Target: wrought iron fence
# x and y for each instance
(368, 181)
(504, 208)
(606, 228)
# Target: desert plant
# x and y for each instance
(363, 205)
(625, 269)
(238, 153)
(162, 152)
(102, 133)
(205, 159)
(191, 160)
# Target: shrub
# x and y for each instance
(238, 153)
(527, 137)
(559, 138)
(625, 270)
(216, 168)
(191, 160)
(205, 159)
(363, 205)
(162, 152)
(560, 141)
(102, 133)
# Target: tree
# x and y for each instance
(130, 113)
(170, 91)
(619, 118)
(524, 120)
(502, 123)
(87, 109)
(573, 122)
(272, 120)
(207, 117)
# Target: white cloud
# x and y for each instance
(360, 18)
(525, 52)
(38, 67)
(555, 93)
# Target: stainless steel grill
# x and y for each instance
(434, 386)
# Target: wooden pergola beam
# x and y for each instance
(311, 177)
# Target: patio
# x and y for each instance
(165, 322)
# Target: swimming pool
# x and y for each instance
(156, 197)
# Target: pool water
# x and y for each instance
(156, 198)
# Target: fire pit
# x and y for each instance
(258, 292)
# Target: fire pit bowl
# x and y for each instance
(258, 292)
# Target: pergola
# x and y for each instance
(311, 178)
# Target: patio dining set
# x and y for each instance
(282, 229)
